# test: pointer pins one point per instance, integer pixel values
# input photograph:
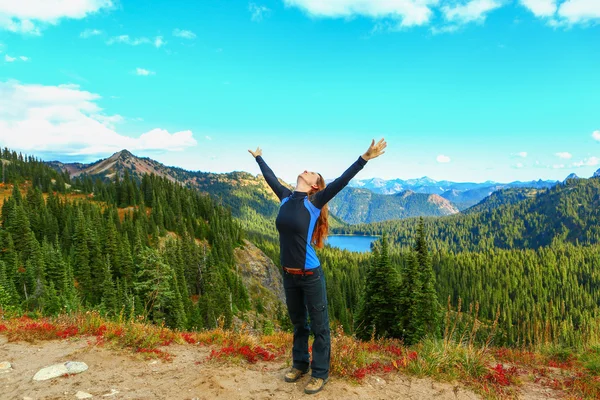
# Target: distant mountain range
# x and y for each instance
(462, 194)
(363, 206)
(363, 201)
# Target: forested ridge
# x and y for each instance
(151, 248)
(537, 260)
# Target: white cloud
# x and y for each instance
(8, 58)
(596, 135)
(23, 58)
(408, 12)
(143, 72)
(26, 16)
(184, 34)
(575, 11)
(258, 12)
(65, 119)
(541, 8)
(474, 10)
(558, 166)
(158, 42)
(522, 154)
(566, 13)
(443, 159)
(444, 29)
(126, 39)
(588, 162)
(89, 33)
(564, 155)
(519, 165)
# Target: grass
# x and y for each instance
(495, 373)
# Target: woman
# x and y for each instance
(302, 222)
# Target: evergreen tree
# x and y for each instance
(380, 302)
(108, 302)
(429, 307)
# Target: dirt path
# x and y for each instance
(187, 376)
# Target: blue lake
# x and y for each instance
(351, 242)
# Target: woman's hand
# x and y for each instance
(256, 153)
(375, 150)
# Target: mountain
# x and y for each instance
(118, 162)
(462, 194)
(596, 174)
(354, 205)
(502, 197)
(571, 176)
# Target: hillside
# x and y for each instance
(503, 197)
(363, 206)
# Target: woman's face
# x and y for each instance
(311, 178)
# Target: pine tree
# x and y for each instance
(152, 285)
(411, 317)
(380, 302)
(108, 294)
(428, 306)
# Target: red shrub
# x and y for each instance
(188, 337)
(67, 332)
(501, 376)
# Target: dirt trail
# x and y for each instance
(188, 376)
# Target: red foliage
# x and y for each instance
(3, 328)
(501, 376)
(100, 330)
(251, 355)
(375, 367)
(158, 352)
(188, 337)
(67, 332)
(567, 364)
(394, 350)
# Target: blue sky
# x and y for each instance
(469, 90)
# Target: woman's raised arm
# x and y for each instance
(280, 190)
(321, 198)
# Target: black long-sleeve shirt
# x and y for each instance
(298, 214)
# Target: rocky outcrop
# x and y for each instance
(260, 276)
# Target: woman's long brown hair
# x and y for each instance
(322, 226)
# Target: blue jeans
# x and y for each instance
(306, 295)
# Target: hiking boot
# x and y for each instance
(294, 375)
(314, 385)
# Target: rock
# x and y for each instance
(112, 393)
(56, 370)
(83, 395)
(3, 339)
(5, 367)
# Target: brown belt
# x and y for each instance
(297, 271)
